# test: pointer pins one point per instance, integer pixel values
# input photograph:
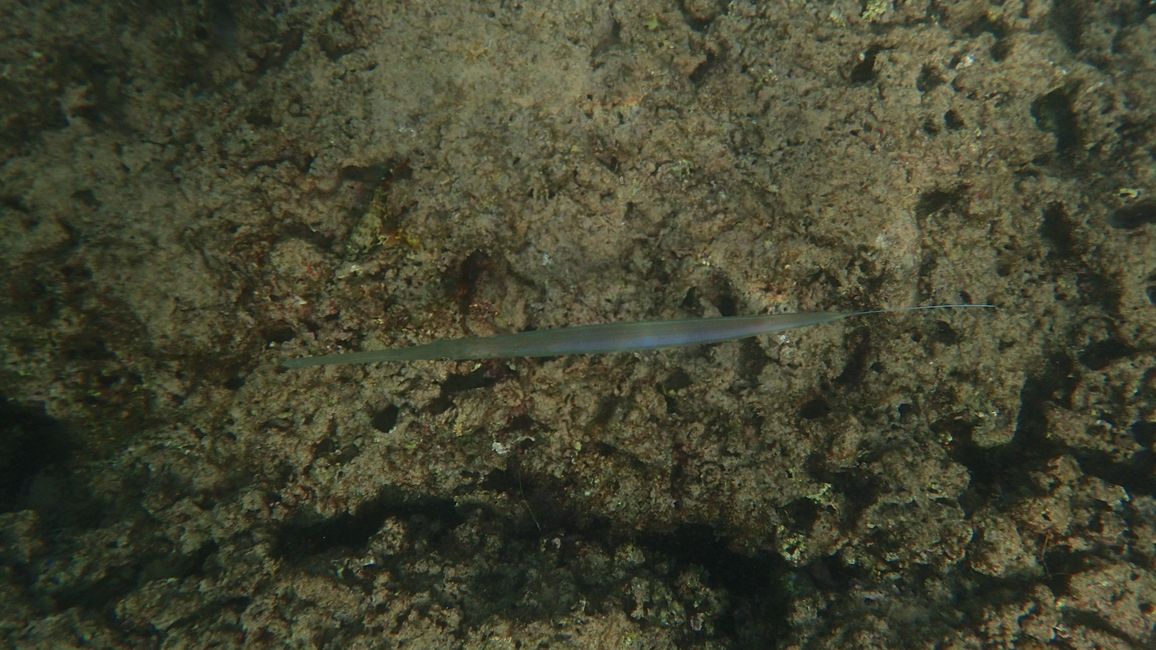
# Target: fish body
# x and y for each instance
(599, 339)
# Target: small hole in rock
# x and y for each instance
(385, 419)
(1133, 216)
(864, 71)
(814, 409)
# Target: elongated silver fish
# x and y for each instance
(600, 339)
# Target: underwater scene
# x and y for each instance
(572, 324)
